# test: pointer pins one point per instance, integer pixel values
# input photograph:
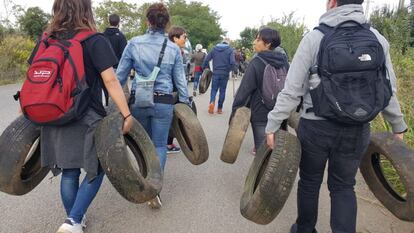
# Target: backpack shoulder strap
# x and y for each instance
(84, 35)
(324, 28)
(164, 45)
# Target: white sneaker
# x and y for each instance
(155, 203)
(70, 227)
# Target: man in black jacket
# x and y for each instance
(115, 36)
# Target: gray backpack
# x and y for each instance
(273, 82)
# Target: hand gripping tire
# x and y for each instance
(235, 135)
(205, 81)
(270, 179)
(402, 158)
(121, 169)
(190, 134)
(20, 164)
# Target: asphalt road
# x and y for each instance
(198, 199)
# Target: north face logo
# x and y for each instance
(360, 112)
(365, 57)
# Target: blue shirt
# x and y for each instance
(142, 53)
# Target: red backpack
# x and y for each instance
(55, 91)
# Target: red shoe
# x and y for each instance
(211, 108)
(219, 111)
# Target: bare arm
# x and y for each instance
(115, 91)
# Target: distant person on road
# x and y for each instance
(250, 90)
(223, 62)
(239, 60)
(327, 134)
(68, 148)
(115, 36)
(155, 114)
(198, 58)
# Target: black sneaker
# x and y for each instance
(173, 149)
(294, 229)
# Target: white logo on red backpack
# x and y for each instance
(42, 74)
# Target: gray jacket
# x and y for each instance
(297, 81)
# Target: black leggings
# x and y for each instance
(170, 140)
(259, 134)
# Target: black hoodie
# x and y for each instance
(248, 92)
(117, 40)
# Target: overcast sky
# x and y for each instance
(236, 15)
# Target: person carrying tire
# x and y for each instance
(178, 36)
(223, 62)
(159, 67)
(250, 90)
(198, 58)
(68, 147)
(344, 73)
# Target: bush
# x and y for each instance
(14, 52)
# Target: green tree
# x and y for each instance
(200, 22)
(130, 14)
(33, 21)
(291, 32)
(395, 25)
(10, 11)
(247, 36)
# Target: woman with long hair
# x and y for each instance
(155, 58)
(68, 148)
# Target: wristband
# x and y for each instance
(126, 117)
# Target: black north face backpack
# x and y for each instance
(354, 86)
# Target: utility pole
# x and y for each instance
(401, 5)
(367, 8)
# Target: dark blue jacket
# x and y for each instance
(223, 59)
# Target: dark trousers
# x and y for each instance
(170, 140)
(342, 147)
(259, 134)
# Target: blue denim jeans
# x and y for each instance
(197, 76)
(77, 199)
(219, 83)
(156, 121)
(342, 147)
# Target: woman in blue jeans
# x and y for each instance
(142, 54)
(68, 148)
